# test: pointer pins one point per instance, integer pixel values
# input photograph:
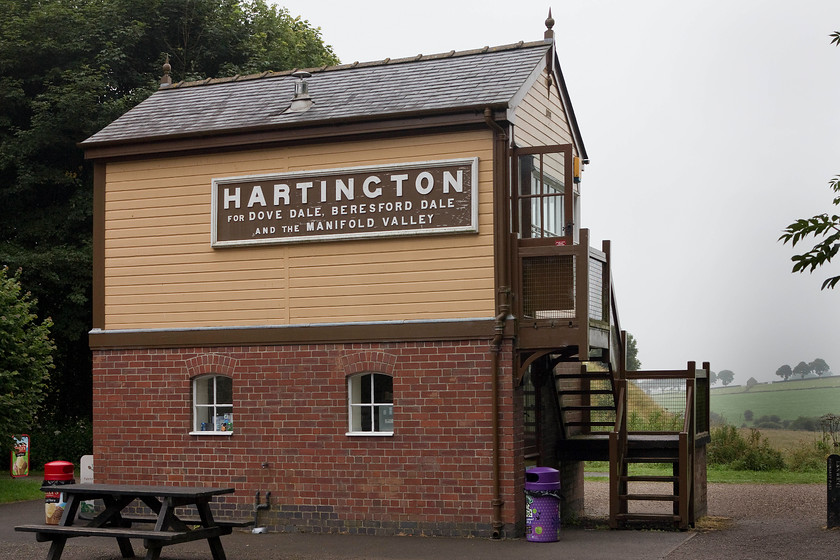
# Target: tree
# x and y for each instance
(802, 369)
(712, 377)
(25, 358)
(633, 363)
(66, 70)
(819, 367)
(726, 377)
(824, 228)
(748, 415)
(784, 372)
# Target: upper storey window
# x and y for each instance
(544, 178)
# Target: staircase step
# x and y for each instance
(593, 407)
(651, 459)
(649, 478)
(648, 517)
(588, 375)
(649, 497)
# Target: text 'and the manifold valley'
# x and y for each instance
(382, 201)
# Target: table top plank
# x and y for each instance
(139, 490)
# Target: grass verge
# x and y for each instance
(21, 489)
(597, 470)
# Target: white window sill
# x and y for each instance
(208, 433)
(370, 434)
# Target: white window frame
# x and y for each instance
(354, 404)
(218, 417)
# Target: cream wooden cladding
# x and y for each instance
(161, 272)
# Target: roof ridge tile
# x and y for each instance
(383, 62)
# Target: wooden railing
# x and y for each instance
(565, 295)
(695, 425)
(618, 451)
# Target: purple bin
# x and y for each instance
(542, 504)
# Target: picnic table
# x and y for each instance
(169, 528)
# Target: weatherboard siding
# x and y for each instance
(161, 272)
(540, 117)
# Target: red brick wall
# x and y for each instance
(433, 476)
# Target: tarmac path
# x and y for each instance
(746, 521)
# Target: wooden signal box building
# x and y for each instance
(365, 290)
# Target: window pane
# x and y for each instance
(383, 388)
(384, 418)
(365, 419)
(224, 390)
(203, 420)
(224, 419)
(365, 394)
(355, 419)
(204, 390)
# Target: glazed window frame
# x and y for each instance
(212, 405)
(370, 404)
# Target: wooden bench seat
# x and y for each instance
(189, 520)
(48, 532)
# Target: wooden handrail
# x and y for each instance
(617, 450)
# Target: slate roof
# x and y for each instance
(385, 89)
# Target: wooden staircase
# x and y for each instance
(634, 505)
(593, 412)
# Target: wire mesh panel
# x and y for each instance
(655, 405)
(548, 287)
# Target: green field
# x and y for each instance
(788, 400)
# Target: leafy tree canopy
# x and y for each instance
(633, 363)
(784, 372)
(819, 366)
(802, 369)
(726, 376)
(825, 229)
(25, 358)
(68, 68)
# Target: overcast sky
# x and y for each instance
(710, 126)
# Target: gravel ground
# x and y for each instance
(744, 522)
(747, 521)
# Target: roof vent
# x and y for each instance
(301, 101)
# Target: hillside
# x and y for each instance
(788, 400)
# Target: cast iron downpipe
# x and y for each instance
(503, 307)
(498, 502)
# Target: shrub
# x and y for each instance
(759, 456)
(808, 457)
(726, 445)
(805, 424)
(25, 358)
(729, 448)
(769, 426)
(60, 439)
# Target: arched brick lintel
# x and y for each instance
(375, 361)
(203, 364)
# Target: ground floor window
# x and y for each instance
(371, 404)
(213, 405)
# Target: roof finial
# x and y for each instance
(166, 80)
(549, 23)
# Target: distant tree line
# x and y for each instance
(818, 367)
(725, 376)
